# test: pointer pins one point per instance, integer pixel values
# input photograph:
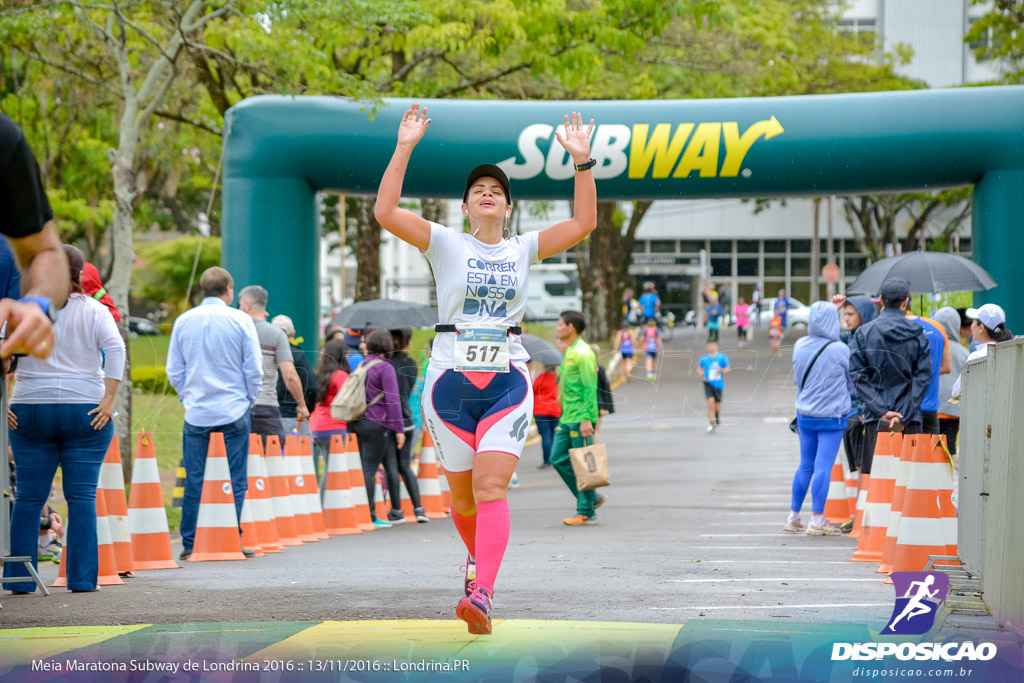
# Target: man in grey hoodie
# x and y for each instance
(949, 413)
(891, 366)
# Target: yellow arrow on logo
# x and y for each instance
(736, 146)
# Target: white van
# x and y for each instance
(551, 292)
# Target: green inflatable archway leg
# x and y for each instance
(276, 244)
(997, 220)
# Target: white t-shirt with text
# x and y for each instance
(479, 283)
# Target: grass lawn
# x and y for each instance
(149, 350)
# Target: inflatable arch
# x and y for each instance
(279, 151)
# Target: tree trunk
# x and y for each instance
(602, 262)
(434, 210)
(367, 251)
(123, 165)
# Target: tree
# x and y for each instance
(163, 270)
(997, 37)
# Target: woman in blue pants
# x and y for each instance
(821, 370)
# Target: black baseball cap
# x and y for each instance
(894, 289)
(488, 171)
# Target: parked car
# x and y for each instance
(551, 292)
(142, 327)
(798, 313)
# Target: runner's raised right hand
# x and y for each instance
(414, 125)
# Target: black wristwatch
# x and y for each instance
(44, 303)
(584, 167)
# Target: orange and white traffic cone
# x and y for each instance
(280, 492)
(250, 506)
(921, 529)
(355, 476)
(863, 484)
(878, 503)
(147, 516)
(316, 510)
(217, 524)
(339, 512)
(111, 487)
(263, 503)
(898, 496)
(940, 454)
(429, 482)
(107, 574)
(297, 487)
(837, 509)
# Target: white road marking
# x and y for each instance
(846, 562)
(835, 579)
(772, 547)
(778, 607)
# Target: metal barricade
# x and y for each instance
(991, 504)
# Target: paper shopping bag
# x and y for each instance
(590, 463)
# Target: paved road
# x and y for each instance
(692, 530)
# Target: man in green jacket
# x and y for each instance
(577, 394)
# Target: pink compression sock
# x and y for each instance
(491, 541)
(466, 527)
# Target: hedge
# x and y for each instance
(151, 379)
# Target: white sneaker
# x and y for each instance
(825, 529)
(514, 483)
(711, 428)
(794, 526)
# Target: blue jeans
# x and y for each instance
(195, 442)
(546, 428)
(49, 435)
(818, 450)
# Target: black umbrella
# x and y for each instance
(541, 351)
(388, 314)
(928, 272)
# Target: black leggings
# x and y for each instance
(399, 463)
(376, 444)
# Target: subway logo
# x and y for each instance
(662, 150)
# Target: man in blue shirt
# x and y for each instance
(715, 364)
(650, 302)
(942, 364)
(214, 363)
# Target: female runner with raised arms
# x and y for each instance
(477, 396)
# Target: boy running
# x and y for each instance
(715, 364)
(652, 346)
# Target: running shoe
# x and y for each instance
(847, 526)
(793, 526)
(396, 517)
(470, 569)
(380, 524)
(475, 610)
(825, 529)
(421, 515)
(51, 553)
(711, 427)
(580, 520)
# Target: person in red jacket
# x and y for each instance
(93, 286)
(546, 409)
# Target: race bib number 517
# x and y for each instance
(481, 348)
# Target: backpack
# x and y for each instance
(350, 401)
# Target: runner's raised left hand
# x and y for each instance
(577, 140)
